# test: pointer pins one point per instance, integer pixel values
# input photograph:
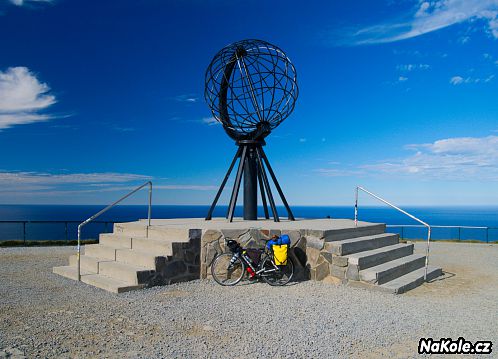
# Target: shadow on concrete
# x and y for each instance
(446, 275)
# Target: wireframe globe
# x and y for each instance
(251, 87)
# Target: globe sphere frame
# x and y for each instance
(251, 88)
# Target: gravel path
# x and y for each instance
(44, 315)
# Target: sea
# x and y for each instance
(59, 222)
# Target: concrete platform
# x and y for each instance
(136, 255)
(239, 223)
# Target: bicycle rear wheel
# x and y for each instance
(277, 275)
(225, 273)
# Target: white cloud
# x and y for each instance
(335, 172)
(25, 2)
(188, 98)
(412, 67)
(44, 178)
(187, 187)
(22, 96)
(457, 80)
(402, 79)
(459, 158)
(431, 16)
(36, 184)
(210, 121)
(302, 140)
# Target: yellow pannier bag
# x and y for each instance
(280, 254)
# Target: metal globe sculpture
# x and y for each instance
(251, 87)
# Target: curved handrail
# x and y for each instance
(105, 210)
(358, 188)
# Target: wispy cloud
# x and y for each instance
(188, 98)
(27, 2)
(187, 187)
(458, 80)
(45, 178)
(412, 67)
(402, 79)
(337, 172)
(44, 183)
(22, 97)
(457, 158)
(302, 140)
(210, 121)
(429, 16)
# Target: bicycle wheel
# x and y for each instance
(224, 273)
(277, 275)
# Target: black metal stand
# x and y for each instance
(252, 166)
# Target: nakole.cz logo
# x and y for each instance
(449, 346)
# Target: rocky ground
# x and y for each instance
(44, 315)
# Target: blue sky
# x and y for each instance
(398, 96)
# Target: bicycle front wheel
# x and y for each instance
(225, 273)
(277, 275)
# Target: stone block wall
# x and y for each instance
(183, 265)
(308, 250)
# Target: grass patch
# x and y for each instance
(21, 243)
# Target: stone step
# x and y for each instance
(362, 230)
(128, 273)
(386, 272)
(87, 262)
(131, 229)
(136, 257)
(411, 280)
(70, 272)
(115, 240)
(169, 234)
(100, 251)
(154, 246)
(360, 244)
(378, 256)
(109, 284)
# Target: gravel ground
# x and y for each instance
(44, 315)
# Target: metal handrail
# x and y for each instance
(358, 188)
(105, 210)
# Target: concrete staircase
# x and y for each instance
(136, 256)
(378, 261)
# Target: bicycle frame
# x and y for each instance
(240, 252)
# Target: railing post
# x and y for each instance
(459, 238)
(356, 208)
(427, 252)
(78, 253)
(487, 234)
(24, 232)
(402, 232)
(150, 204)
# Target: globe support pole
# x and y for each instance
(251, 185)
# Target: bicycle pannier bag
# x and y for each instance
(280, 249)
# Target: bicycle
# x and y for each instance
(229, 268)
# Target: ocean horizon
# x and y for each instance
(472, 216)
